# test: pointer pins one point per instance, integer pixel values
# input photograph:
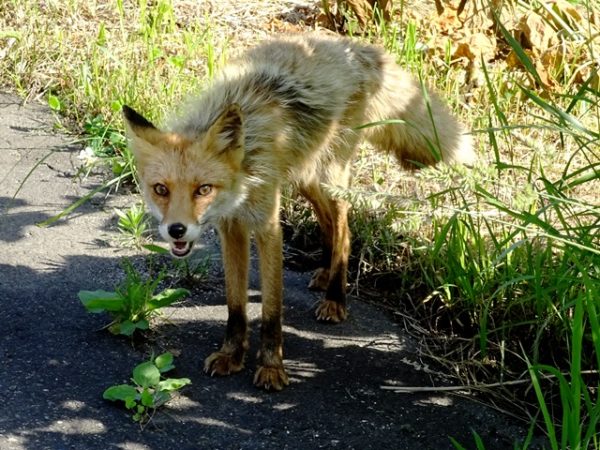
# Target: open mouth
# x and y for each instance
(181, 249)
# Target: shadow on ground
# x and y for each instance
(56, 364)
(55, 361)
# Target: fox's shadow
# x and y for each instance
(57, 361)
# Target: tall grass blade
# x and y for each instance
(29, 173)
(83, 200)
(564, 117)
(550, 431)
(519, 51)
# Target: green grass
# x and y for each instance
(96, 56)
(506, 254)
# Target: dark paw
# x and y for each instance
(319, 280)
(220, 363)
(271, 378)
(330, 311)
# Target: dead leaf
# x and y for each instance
(332, 12)
(547, 81)
(463, 50)
(448, 21)
(362, 10)
(474, 46)
(534, 33)
(586, 72)
(553, 58)
(513, 61)
(469, 53)
(479, 17)
(276, 25)
(483, 44)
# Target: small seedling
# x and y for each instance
(149, 389)
(56, 106)
(133, 303)
(133, 225)
(187, 268)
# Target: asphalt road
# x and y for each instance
(55, 363)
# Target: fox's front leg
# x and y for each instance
(270, 373)
(235, 244)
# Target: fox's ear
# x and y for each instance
(226, 135)
(135, 119)
(137, 126)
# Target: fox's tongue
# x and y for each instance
(181, 248)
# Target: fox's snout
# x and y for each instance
(181, 237)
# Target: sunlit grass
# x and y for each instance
(95, 56)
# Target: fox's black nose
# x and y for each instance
(177, 230)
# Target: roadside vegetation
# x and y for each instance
(150, 390)
(134, 303)
(496, 268)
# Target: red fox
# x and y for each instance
(288, 111)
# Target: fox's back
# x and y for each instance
(310, 80)
(303, 96)
(324, 72)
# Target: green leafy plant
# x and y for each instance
(133, 303)
(133, 225)
(149, 390)
(577, 428)
(54, 103)
(108, 144)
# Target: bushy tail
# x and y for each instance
(419, 129)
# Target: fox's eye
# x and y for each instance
(205, 189)
(161, 190)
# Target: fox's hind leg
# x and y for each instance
(321, 206)
(332, 214)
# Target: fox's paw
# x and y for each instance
(221, 363)
(330, 311)
(271, 378)
(319, 280)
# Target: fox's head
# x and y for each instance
(188, 181)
